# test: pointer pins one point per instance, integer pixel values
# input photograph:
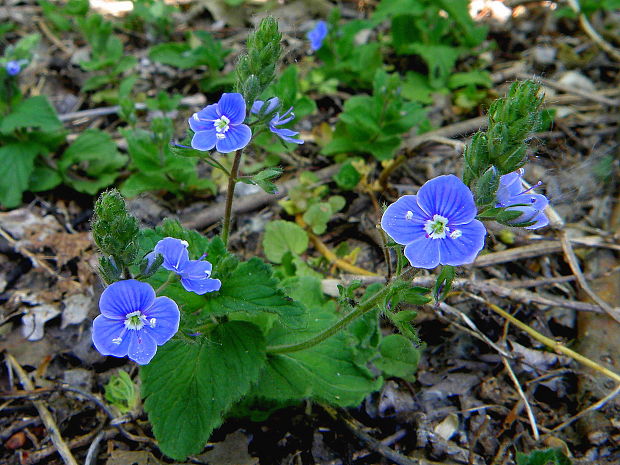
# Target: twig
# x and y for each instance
(189, 101)
(93, 449)
(539, 248)
(569, 253)
(594, 35)
(45, 415)
(376, 445)
(551, 343)
(251, 202)
(55, 40)
(331, 256)
(594, 406)
(475, 331)
(528, 408)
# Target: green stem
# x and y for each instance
(363, 308)
(166, 283)
(232, 180)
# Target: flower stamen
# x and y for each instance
(437, 227)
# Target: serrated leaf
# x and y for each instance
(281, 237)
(94, 162)
(252, 289)
(189, 387)
(399, 357)
(328, 372)
(33, 112)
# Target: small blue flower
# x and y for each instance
(317, 35)
(513, 195)
(195, 274)
(133, 321)
(13, 67)
(220, 125)
(284, 133)
(437, 225)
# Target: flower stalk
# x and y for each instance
(232, 180)
(359, 311)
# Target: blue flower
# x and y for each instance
(317, 35)
(13, 67)
(133, 321)
(515, 196)
(437, 225)
(220, 125)
(284, 133)
(195, 274)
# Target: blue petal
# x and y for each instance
(204, 140)
(317, 35)
(195, 278)
(123, 297)
(174, 252)
(203, 120)
(233, 107)
(236, 138)
(286, 135)
(449, 197)
(510, 185)
(166, 323)
(105, 330)
(423, 252)
(465, 248)
(540, 221)
(272, 104)
(142, 346)
(201, 286)
(395, 223)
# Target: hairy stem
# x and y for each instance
(232, 180)
(363, 308)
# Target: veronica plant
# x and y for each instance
(217, 336)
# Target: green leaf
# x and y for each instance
(16, 165)
(43, 178)
(328, 372)
(34, 112)
(399, 357)
(543, 457)
(444, 283)
(94, 162)
(317, 217)
(188, 388)
(347, 177)
(281, 237)
(252, 289)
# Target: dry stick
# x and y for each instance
(569, 253)
(251, 202)
(329, 255)
(594, 406)
(189, 101)
(588, 29)
(519, 295)
(551, 343)
(539, 248)
(46, 416)
(528, 408)
(375, 444)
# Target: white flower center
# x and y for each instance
(221, 126)
(436, 228)
(135, 320)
